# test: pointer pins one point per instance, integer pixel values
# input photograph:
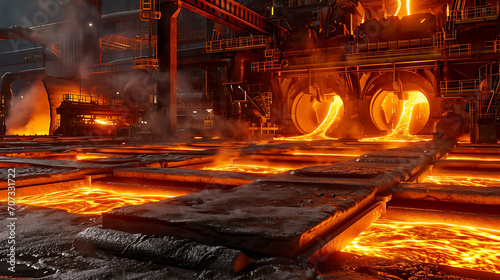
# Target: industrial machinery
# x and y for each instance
(277, 66)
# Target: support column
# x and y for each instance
(167, 58)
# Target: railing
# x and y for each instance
(259, 66)
(272, 54)
(268, 100)
(488, 104)
(199, 105)
(459, 50)
(393, 53)
(264, 128)
(142, 57)
(474, 13)
(460, 87)
(79, 98)
(116, 42)
(388, 46)
(450, 36)
(492, 46)
(238, 43)
(141, 47)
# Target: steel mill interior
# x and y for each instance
(250, 139)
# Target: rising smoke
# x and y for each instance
(30, 114)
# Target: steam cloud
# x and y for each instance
(29, 115)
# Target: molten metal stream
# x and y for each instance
(463, 181)
(88, 200)
(246, 168)
(320, 132)
(445, 244)
(401, 132)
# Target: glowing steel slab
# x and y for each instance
(272, 219)
(453, 245)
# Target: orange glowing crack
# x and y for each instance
(185, 148)
(463, 181)
(472, 158)
(245, 168)
(401, 132)
(88, 200)
(445, 244)
(320, 132)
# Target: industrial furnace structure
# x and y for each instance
(184, 66)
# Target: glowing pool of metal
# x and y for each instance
(249, 168)
(463, 181)
(445, 244)
(87, 200)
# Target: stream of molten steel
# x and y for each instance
(445, 244)
(401, 132)
(320, 132)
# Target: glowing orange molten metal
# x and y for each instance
(104, 122)
(87, 200)
(446, 244)
(320, 132)
(325, 154)
(401, 132)
(245, 168)
(463, 181)
(90, 156)
(407, 7)
(185, 148)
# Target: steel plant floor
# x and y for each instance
(278, 220)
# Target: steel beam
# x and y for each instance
(233, 15)
(167, 58)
